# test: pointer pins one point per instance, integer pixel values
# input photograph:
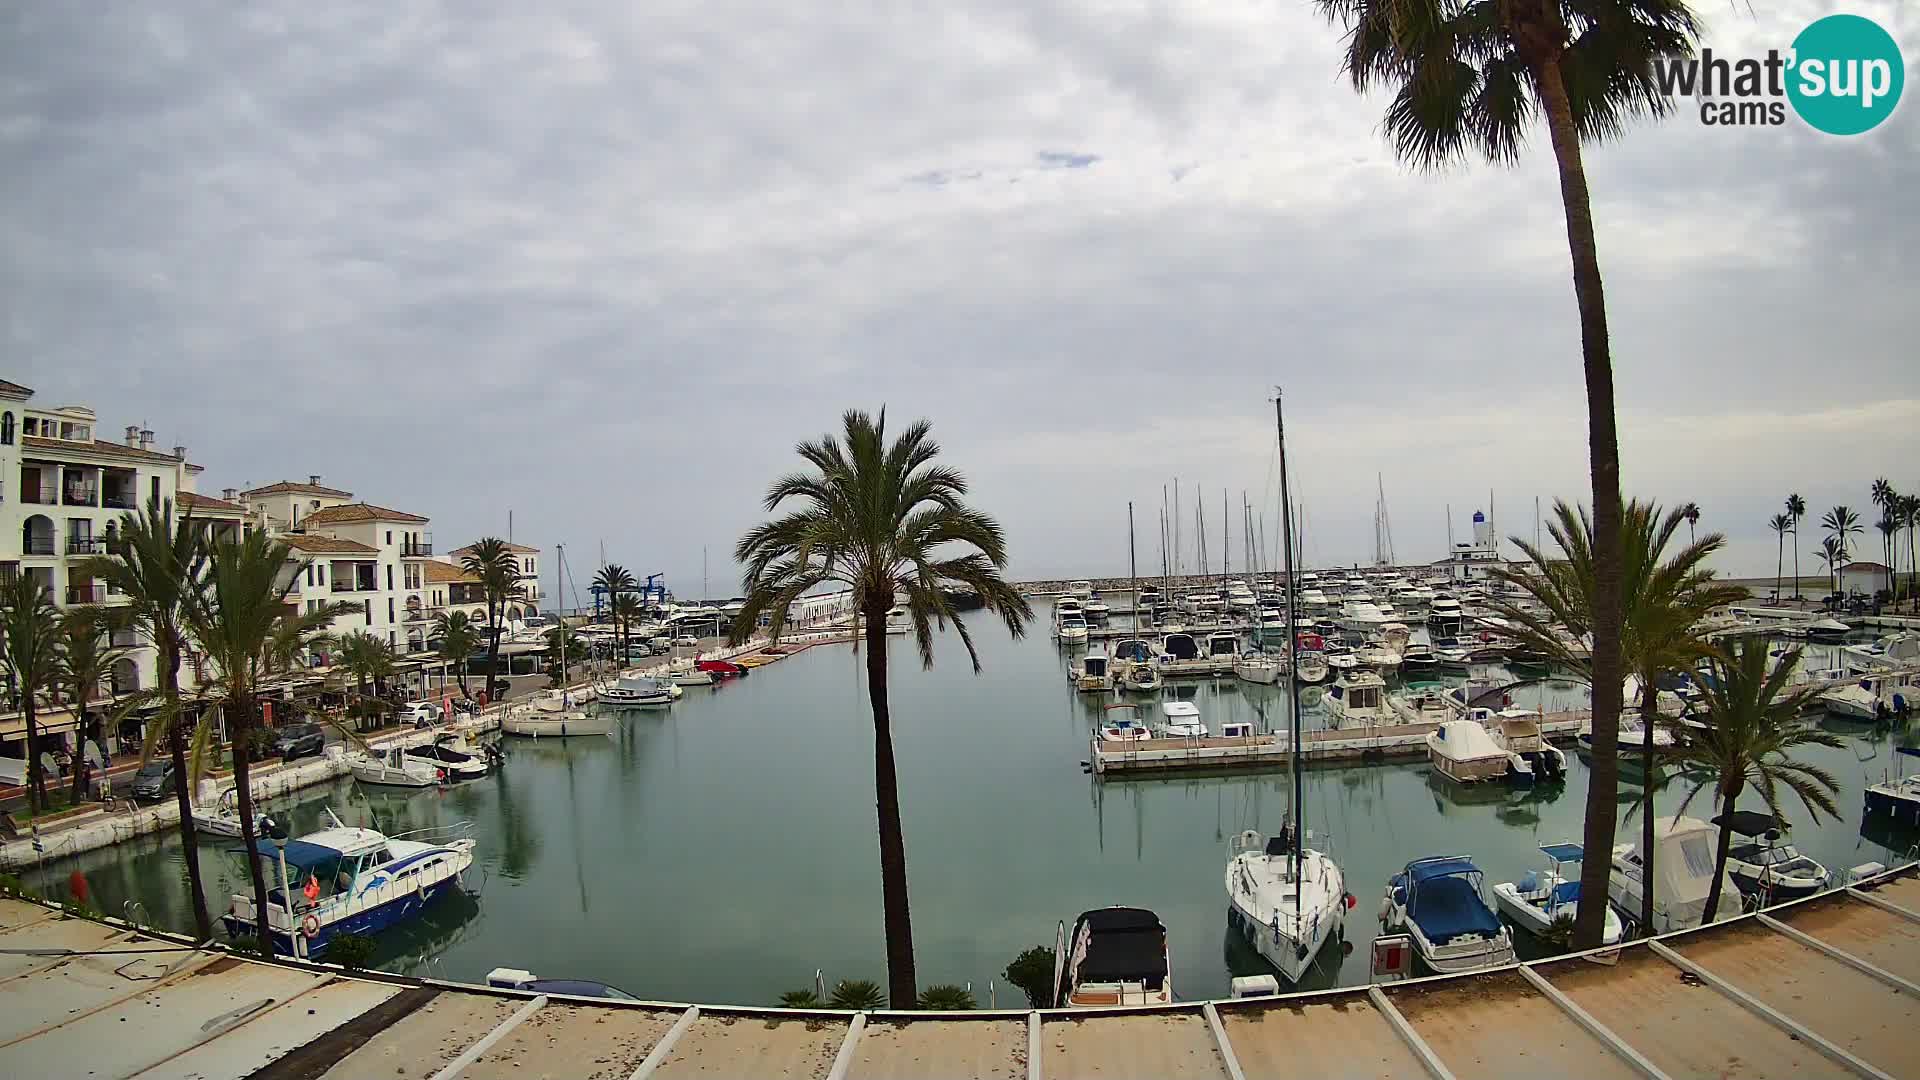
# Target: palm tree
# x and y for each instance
(85, 659)
(458, 640)
(1842, 524)
(1834, 556)
(1752, 727)
(242, 621)
(1469, 79)
(157, 562)
(1910, 519)
(1663, 599)
(497, 569)
(883, 520)
(1796, 509)
(1780, 524)
(1889, 527)
(371, 662)
(1691, 512)
(627, 610)
(31, 659)
(613, 581)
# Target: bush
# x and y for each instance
(946, 997)
(800, 999)
(857, 994)
(350, 951)
(259, 744)
(1032, 972)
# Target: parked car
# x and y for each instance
(686, 641)
(298, 740)
(422, 713)
(153, 782)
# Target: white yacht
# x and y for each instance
(1096, 609)
(1766, 867)
(541, 724)
(1361, 616)
(1444, 611)
(1683, 871)
(1421, 707)
(1543, 897)
(1896, 796)
(393, 768)
(1463, 751)
(637, 692)
(1378, 656)
(1875, 696)
(1071, 630)
(1115, 956)
(1182, 720)
(1068, 605)
(1438, 902)
(1358, 698)
(1092, 674)
(1286, 920)
(1122, 724)
(1895, 650)
(1080, 590)
(1258, 668)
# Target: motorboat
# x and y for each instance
(1439, 903)
(1122, 724)
(724, 669)
(1762, 866)
(1068, 605)
(1179, 647)
(1530, 757)
(1415, 657)
(1464, 752)
(1096, 609)
(552, 725)
(1894, 650)
(1826, 630)
(1632, 736)
(1543, 897)
(1287, 921)
(1897, 797)
(1258, 668)
(393, 767)
(637, 692)
(527, 981)
(1683, 865)
(1080, 590)
(452, 754)
(1875, 697)
(1223, 645)
(346, 880)
(690, 676)
(1091, 675)
(1359, 699)
(1116, 956)
(1421, 707)
(1311, 668)
(1182, 720)
(1071, 630)
(1379, 657)
(1340, 660)
(220, 819)
(1314, 600)
(1147, 598)
(1361, 616)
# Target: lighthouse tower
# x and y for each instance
(1482, 532)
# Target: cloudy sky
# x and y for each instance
(603, 263)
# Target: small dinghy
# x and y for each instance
(1122, 725)
(1762, 865)
(1543, 897)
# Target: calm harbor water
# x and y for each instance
(724, 850)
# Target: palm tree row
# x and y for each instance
(229, 598)
(497, 570)
(1898, 514)
(617, 584)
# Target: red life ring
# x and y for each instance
(310, 927)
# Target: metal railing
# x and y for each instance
(37, 545)
(85, 594)
(413, 548)
(86, 545)
(81, 497)
(128, 501)
(39, 496)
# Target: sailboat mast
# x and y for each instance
(1133, 567)
(1295, 856)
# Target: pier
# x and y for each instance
(1386, 742)
(1828, 986)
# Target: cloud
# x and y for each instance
(603, 265)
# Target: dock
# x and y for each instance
(1828, 986)
(1386, 742)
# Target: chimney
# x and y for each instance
(313, 479)
(180, 453)
(146, 438)
(133, 434)
(230, 494)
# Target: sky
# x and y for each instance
(603, 264)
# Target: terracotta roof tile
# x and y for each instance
(288, 487)
(202, 502)
(14, 388)
(517, 548)
(327, 545)
(440, 573)
(110, 449)
(352, 512)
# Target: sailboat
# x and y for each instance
(1287, 899)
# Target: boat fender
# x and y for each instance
(1352, 901)
(1386, 910)
(310, 927)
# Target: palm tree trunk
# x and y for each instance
(1779, 560)
(240, 708)
(36, 783)
(1649, 710)
(74, 794)
(1796, 560)
(1720, 857)
(901, 990)
(1603, 452)
(177, 738)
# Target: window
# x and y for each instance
(389, 572)
(389, 609)
(366, 609)
(154, 487)
(390, 639)
(6, 429)
(323, 573)
(389, 537)
(309, 573)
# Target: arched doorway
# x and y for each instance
(36, 535)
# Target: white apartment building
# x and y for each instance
(357, 553)
(463, 593)
(62, 493)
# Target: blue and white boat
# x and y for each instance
(1439, 903)
(1541, 897)
(346, 880)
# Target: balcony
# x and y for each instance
(349, 587)
(86, 594)
(82, 496)
(119, 500)
(86, 545)
(37, 545)
(416, 549)
(40, 496)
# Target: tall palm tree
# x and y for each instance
(1842, 525)
(157, 562)
(1753, 725)
(884, 520)
(494, 565)
(31, 659)
(86, 657)
(458, 640)
(1691, 512)
(1662, 600)
(1910, 519)
(1796, 509)
(241, 622)
(1780, 524)
(1889, 527)
(1834, 556)
(613, 581)
(1469, 79)
(627, 610)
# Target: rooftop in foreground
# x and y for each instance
(1828, 986)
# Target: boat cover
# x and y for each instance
(1124, 945)
(1446, 901)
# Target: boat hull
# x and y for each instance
(367, 922)
(555, 727)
